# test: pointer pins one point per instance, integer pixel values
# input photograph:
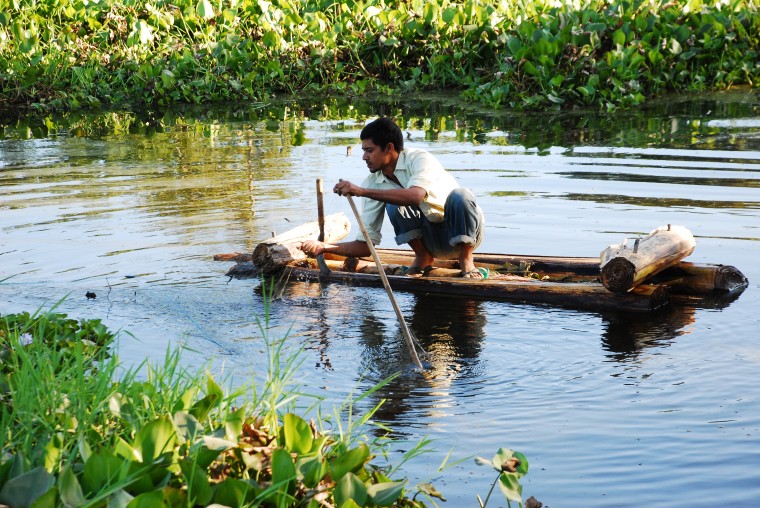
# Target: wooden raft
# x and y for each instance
(655, 275)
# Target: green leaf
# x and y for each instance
(618, 37)
(154, 499)
(349, 461)
(231, 492)
(50, 500)
(385, 494)
(198, 487)
(204, 9)
(283, 470)
(188, 427)
(448, 15)
(298, 435)
(674, 47)
(510, 486)
(203, 407)
(233, 424)
(22, 490)
(271, 39)
(103, 468)
(530, 68)
(655, 57)
(154, 439)
(522, 468)
(53, 452)
(515, 45)
(312, 470)
(69, 488)
(120, 499)
(350, 487)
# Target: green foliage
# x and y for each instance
(532, 54)
(78, 434)
(511, 466)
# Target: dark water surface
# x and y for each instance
(611, 410)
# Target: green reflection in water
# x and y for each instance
(672, 121)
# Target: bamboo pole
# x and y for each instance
(386, 284)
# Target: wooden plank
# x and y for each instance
(624, 267)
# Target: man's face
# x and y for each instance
(376, 158)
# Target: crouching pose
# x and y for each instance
(425, 204)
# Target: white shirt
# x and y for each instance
(415, 168)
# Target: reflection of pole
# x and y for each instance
(384, 278)
(251, 186)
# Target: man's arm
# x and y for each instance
(401, 197)
(355, 248)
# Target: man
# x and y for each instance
(426, 206)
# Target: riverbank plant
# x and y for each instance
(80, 431)
(526, 54)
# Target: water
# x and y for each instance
(611, 410)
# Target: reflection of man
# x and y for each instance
(426, 206)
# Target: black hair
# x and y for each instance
(383, 131)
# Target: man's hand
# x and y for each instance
(346, 188)
(312, 247)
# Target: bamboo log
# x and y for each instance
(692, 278)
(555, 266)
(277, 252)
(589, 296)
(624, 268)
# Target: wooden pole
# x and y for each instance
(323, 268)
(386, 284)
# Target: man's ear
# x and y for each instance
(389, 146)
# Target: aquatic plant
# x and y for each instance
(80, 432)
(528, 54)
(510, 466)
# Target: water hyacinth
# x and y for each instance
(529, 54)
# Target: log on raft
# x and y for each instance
(275, 253)
(623, 267)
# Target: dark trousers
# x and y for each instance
(463, 222)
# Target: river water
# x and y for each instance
(611, 410)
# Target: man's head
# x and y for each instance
(383, 131)
(381, 143)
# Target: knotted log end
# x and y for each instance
(618, 275)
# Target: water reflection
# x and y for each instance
(627, 335)
(451, 332)
(450, 329)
